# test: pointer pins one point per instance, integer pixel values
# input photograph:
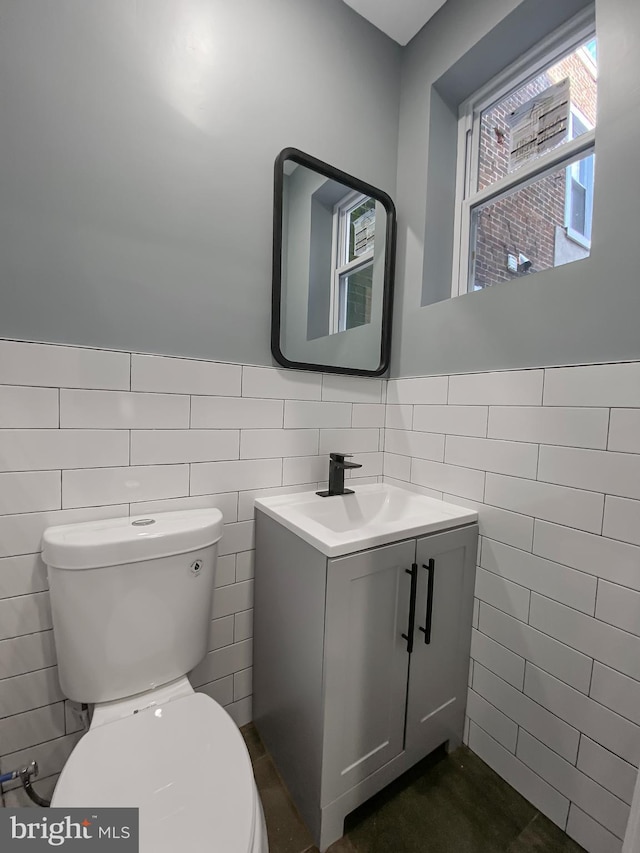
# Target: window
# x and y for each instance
(353, 241)
(578, 206)
(526, 164)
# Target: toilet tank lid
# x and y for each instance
(115, 541)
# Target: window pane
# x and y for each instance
(525, 231)
(355, 298)
(579, 68)
(362, 224)
(578, 207)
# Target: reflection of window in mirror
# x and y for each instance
(354, 226)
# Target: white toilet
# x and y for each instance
(131, 602)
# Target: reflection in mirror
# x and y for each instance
(355, 221)
(333, 264)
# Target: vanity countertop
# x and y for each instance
(376, 514)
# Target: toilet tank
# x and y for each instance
(131, 600)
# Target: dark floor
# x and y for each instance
(446, 804)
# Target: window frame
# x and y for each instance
(577, 237)
(342, 266)
(534, 62)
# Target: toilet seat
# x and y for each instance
(184, 764)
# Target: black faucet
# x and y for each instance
(337, 466)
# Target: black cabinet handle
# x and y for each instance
(431, 571)
(413, 571)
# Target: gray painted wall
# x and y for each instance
(136, 151)
(320, 267)
(584, 312)
(136, 160)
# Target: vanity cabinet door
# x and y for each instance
(365, 664)
(440, 659)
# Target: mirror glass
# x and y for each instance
(332, 269)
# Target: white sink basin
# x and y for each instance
(375, 515)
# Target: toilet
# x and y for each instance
(131, 604)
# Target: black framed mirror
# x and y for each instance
(333, 266)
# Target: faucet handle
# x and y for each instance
(339, 457)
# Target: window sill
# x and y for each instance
(578, 238)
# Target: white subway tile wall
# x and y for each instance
(88, 434)
(550, 458)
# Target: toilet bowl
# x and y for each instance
(131, 606)
(184, 764)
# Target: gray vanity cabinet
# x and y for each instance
(346, 698)
(366, 664)
(439, 666)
